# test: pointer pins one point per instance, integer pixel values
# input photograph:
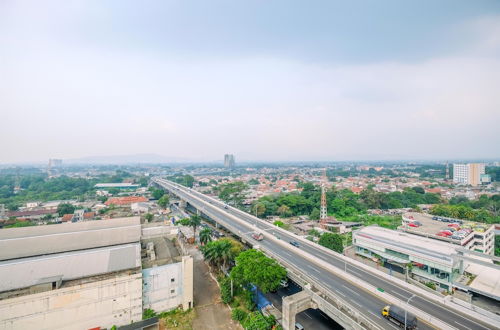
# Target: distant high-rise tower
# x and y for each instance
(447, 176)
(229, 161)
(322, 211)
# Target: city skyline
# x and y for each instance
(267, 81)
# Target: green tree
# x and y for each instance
(157, 193)
(259, 209)
(65, 208)
(220, 252)
(284, 210)
(194, 222)
(149, 217)
(163, 201)
(238, 314)
(279, 223)
(233, 193)
(205, 235)
(254, 267)
(331, 241)
(257, 321)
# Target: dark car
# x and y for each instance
(434, 218)
(295, 243)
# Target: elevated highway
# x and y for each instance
(358, 293)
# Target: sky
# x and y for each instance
(264, 80)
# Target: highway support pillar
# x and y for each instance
(294, 304)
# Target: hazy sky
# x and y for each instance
(265, 80)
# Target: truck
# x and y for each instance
(397, 316)
(258, 236)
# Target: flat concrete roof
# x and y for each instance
(407, 243)
(25, 272)
(431, 227)
(40, 240)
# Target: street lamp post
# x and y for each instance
(406, 307)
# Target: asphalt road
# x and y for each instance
(356, 296)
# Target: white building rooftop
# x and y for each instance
(407, 243)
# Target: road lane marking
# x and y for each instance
(340, 293)
(357, 294)
(375, 315)
(308, 315)
(463, 326)
(356, 303)
(397, 294)
(334, 257)
(314, 269)
(326, 317)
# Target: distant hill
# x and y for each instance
(126, 159)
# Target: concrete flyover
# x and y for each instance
(353, 294)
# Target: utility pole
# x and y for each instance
(323, 210)
(406, 307)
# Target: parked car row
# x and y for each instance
(447, 220)
(454, 232)
(415, 224)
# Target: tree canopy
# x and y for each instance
(254, 267)
(332, 241)
(233, 193)
(163, 201)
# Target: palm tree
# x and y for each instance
(205, 236)
(194, 222)
(218, 253)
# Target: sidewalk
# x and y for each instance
(211, 313)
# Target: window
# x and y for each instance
(172, 291)
(172, 280)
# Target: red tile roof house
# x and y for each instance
(125, 200)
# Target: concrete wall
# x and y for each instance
(20, 273)
(39, 240)
(166, 287)
(104, 303)
(159, 231)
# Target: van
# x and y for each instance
(298, 326)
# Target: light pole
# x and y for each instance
(406, 307)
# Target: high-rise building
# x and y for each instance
(468, 173)
(228, 161)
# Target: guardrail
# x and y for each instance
(344, 308)
(348, 277)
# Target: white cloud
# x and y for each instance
(73, 102)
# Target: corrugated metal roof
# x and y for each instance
(40, 240)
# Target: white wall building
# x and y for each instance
(85, 275)
(468, 173)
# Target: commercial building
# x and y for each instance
(468, 173)
(82, 275)
(427, 260)
(431, 260)
(473, 236)
(229, 161)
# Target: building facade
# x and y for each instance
(477, 237)
(468, 173)
(229, 161)
(425, 259)
(85, 275)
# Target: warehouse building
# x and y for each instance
(78, 276)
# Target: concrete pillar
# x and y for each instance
(294, 304)
(187, 282)
(198, 212)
